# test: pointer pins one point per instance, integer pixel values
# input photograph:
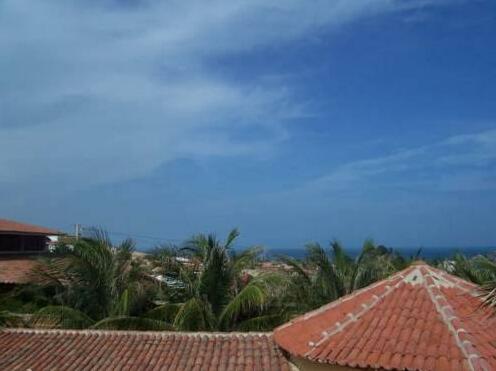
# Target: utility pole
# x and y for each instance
(77, 230)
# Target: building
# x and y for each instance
(20, 244)
(20, 238)
(126, 350)
(418, 319)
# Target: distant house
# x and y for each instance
(20, 244)
(21, 238)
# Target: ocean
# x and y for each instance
(426, 253)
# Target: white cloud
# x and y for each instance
(457, 163)
(96, 92)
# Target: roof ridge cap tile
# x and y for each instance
(456, 281)
(135, 333)
(354, 316)
(448, 317)
(400, 274)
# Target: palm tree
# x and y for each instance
(10, 319)
(325, 277)
(480, 270)
(217, 295)
(96, 284)
(489, 295)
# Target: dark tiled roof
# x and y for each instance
(119, 350)
(17, 270)
(418, 319)
(13, 226)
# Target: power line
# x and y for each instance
(82, 228)
(137, 236)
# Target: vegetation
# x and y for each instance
(324, 277)
(480, 270)
(204, 284)
(92, 283)
(216, 295)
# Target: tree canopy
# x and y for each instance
(204, 284)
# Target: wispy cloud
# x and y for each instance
(96, 92)
(457, 163)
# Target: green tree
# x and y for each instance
(217, 294)
(326, 276)
(97, 285)
(480, 270)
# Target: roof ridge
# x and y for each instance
(400, 274)
(353, 317)
(130, 332)
(17, 226)
(421, 322)
(449, 318)
(458, 282)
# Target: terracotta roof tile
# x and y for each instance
(122, 350)
(17, 270)
(418, 319)
(13, 226)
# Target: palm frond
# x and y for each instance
(60, 317)
(9, 319)
(51, 272)
(99, 235)
(340, 259)
(368, 248)
(329, 285)
(99, 279)
(488, 296)
(488, 267)
(131, 323)
(194, 315)
(232, 236)
(247, 258)
(264, 322)
(216, 279)
(200, 245)
(466, 269)
(122, 307)
(296, 267)
(166, 312)
(252, 298)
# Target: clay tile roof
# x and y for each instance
(17, 270)
(119, 350)
(13, 226)
(419, 319)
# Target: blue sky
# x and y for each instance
(294, 121)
